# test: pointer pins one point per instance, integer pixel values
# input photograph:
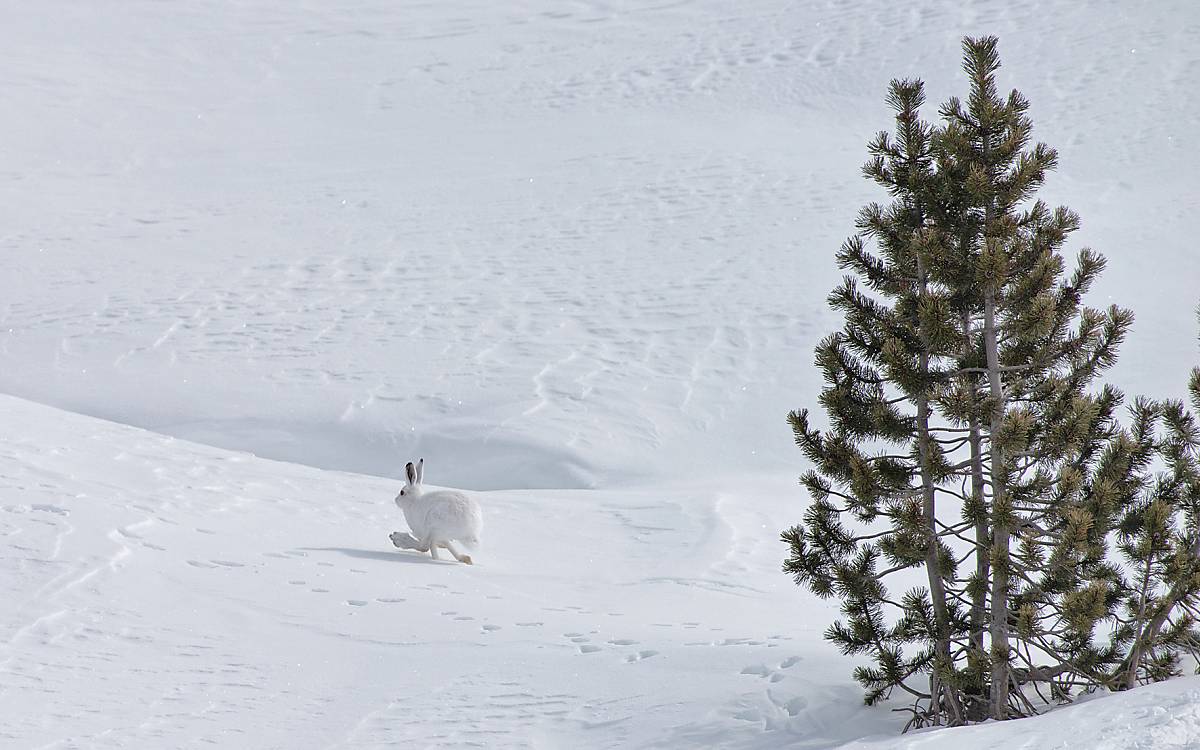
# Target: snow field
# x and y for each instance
(546, 245)
(168, 594)
(573, 253)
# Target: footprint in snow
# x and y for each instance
(356, 602)
(586, 649)
(390, 599)
(530, 624)
(640, 655)
(791, 661)
(489, 628)
(198, 564)
(623, 642)
(794, 706)
(758, 670)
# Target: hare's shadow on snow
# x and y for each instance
(402, 556)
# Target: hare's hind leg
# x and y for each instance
(404, 540)
(461, 557)
(428, 543)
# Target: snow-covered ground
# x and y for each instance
(573, 253)
(164, 594)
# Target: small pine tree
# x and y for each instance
(1042, 352)
(879, 464)
(1159, 542)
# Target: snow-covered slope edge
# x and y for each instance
(1161, 716)
(168, 594)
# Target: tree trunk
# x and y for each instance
(1001, 510)
(937, 586)
(983, 542)
(1135, 655)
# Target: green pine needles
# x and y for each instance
(998, 539)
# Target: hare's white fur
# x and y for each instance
(438, 518)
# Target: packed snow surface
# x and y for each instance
(254, 256)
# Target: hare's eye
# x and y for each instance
(401, 492)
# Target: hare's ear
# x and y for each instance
(410, 472)
(420, 471)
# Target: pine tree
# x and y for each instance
(880, 465)
(1159, 541)
(1042, 352)
(965, 382)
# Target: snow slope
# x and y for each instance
(168, 594)
(569, 236)
(574, 253)
(1161, 716)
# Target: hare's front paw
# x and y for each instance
(403, 540)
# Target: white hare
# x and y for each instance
(437, 519)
